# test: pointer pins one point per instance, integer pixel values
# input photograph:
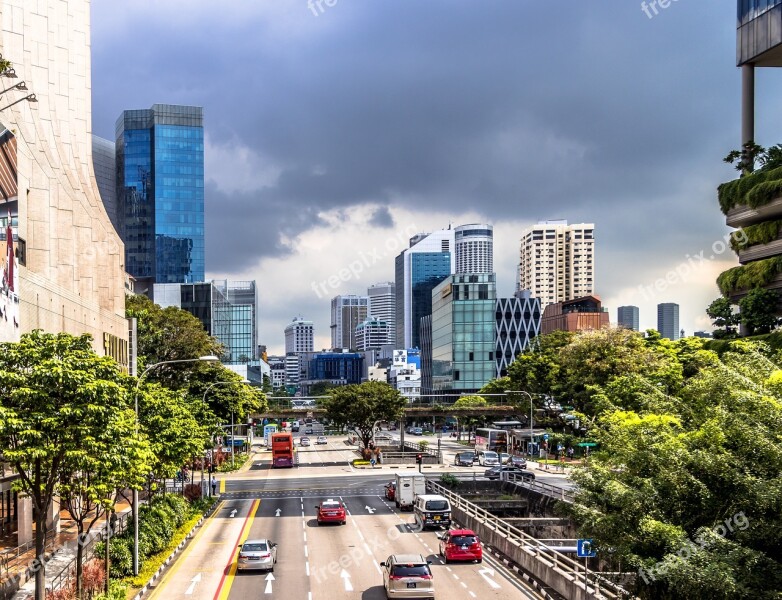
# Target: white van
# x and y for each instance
(432, 510)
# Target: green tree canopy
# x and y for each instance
(58, 401)
(723, 317)
(360, 406)
(758, 311)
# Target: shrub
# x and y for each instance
(192, 492)
(120, 554)
(117, 591)
(449, 480)
(749, 276)
(423, 445)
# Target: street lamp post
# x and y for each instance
(232, 416)
(208, 358)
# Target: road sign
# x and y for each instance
(587, 444)
(545, 436)
(584, 549)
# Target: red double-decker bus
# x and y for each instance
(282, 449)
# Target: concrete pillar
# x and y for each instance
(24, 520)
(53, 516)
(747, 103)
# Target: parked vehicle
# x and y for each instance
(407, 576)
(432, 510)
(408, 486)
(460, 544)
(257, 554)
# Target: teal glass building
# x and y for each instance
(160, 192)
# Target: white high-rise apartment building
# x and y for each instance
(346, 313)
(299, 336)
(474, 248)
(382, 305)
(371, 334)
(557, 261)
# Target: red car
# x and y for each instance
(331, 511)
(460, 544)
(390, 490)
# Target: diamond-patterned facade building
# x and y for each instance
(517, 323)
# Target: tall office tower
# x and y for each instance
(226, 310)
(463, 333)
(160, 192)
(668, 320)
(62, 260)
(371, 334)
(474, 248)
(557, 261)
(518, 322)
(104, 161)
(627, 316)
(346, 313)
(418, 269)
(382, 303)
(299, 336)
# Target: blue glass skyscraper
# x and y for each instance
(160, 192)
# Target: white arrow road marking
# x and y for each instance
(269, 579)
(371, 510)
(277, 514)
(346, 578)
(233, 513)
(485, 574)
(193, 582)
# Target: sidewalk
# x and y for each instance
(63, 556)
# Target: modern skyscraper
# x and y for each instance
(105, 164)
(160, 192)
(371, 334)
(232, 323)
(299, 336)
(382, 303)
(668, 320)
(627, 316)
(418, 269)
(518, 322)
(474, 248)
(463, 332)
(557, 261)
(346, 313)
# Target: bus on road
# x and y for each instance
(282, 449)
(495, 440)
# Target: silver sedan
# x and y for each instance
(257, 554)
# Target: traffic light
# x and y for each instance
(419, 458)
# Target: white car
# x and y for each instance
(487, 458)
(305, 441)
(257, 554)
(321, 440)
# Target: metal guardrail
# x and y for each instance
(531, 545)
(12, 557)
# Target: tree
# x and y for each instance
(239, 398)
(723, 316)
(467, 402)
(361, 406)
(758, 311)
(58, 396)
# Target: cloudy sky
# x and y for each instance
(334, 132)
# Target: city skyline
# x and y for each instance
(298, 182)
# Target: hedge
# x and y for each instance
(762, 233)
(754, 190)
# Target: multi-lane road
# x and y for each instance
(317, 562)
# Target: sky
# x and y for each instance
(337, 129)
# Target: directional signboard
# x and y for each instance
(585, 549)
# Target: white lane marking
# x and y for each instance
(305, 537)
(455, 576)
(464, 585)
(233, 513)
(193, 582)
(473, 594)
(306, 552)
(307, 567)
(346, 579)
(269, 579)
(485, 574)
(277, 513)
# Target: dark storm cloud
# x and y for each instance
(382, 218)
(520, 110)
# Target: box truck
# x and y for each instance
(408, 486)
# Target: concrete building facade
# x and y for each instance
(382, 305)
(346, 313)
(299, 336)
(371, 334)
(579, 314)
(474, 248)
(557, 261)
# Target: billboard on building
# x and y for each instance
(9, 239)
